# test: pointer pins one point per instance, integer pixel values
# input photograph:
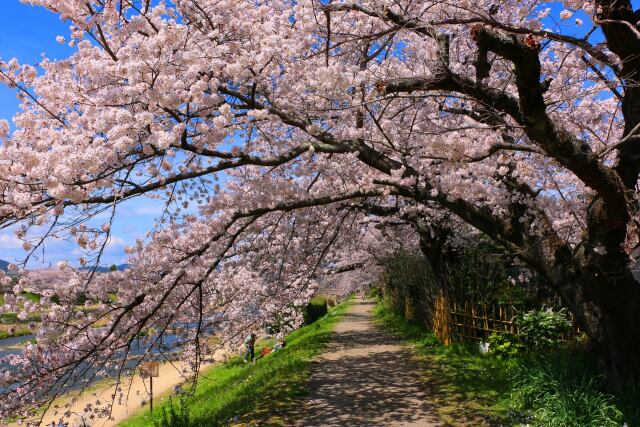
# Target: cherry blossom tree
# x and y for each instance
(284, 135)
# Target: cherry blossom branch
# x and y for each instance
(428, 29)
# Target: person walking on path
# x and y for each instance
(249, 344)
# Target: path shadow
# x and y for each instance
(365, 378)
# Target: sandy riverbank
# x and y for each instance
(170, 376)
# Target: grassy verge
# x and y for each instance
(10, 331)
(559, 388)
(563, 388)
(11, 319)
(239, 394)
(466, 387)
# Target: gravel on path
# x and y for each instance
(367, 377)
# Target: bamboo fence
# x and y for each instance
(466, 321)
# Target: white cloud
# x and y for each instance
(115, 242)
(9, 241)
(149, 210)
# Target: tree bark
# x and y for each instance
(608, 311)
(433, 239)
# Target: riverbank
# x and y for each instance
(11, 331)
(136, 390)
(239, 394)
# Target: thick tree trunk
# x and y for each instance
(606, 304)
(608, 310)
(433, 240)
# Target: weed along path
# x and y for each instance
(365, 378)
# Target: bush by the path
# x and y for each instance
(235, 392)
(556, 388)
(316, 308)
(540, 330)
(543, 329)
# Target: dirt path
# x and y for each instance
(366, 378)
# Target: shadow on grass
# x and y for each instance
(553, 387)
(236, 393)
(466, 387)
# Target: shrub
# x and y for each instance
(410, 286)
(539, 330)
(81, 298)
(316, 308)
(374, 292)
(332, 301)
(561, 390)
(174, 416)
(504, 346)
(542, 329)
(478, 272)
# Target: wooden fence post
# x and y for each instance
(441, 320)
(408, 309)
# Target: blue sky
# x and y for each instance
(26, 32)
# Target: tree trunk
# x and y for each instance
(432, 244)
(609, 313)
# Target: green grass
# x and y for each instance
(561, 389)
(558, 388)
(31, 296)
(262, 394)
(17, 333)
(11, 318)
(318, 300)
(466, 387)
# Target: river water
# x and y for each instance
(14, 345)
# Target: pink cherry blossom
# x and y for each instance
(295, 146)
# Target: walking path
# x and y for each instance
(366, 378)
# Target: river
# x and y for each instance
(9, 346)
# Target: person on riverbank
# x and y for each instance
(249, 344)
(279, 345)
(268, 350)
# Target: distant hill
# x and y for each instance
(102, 269)
(4, 265)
